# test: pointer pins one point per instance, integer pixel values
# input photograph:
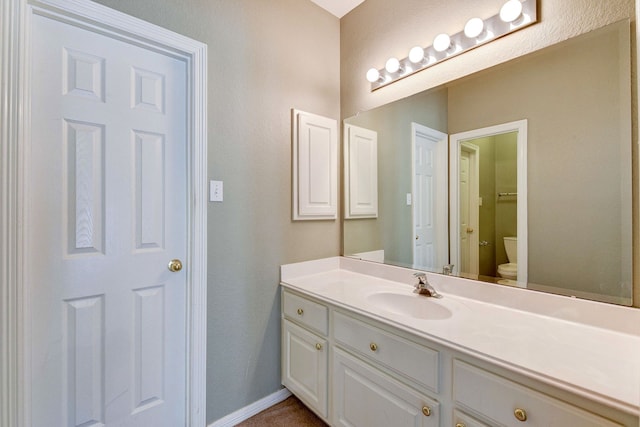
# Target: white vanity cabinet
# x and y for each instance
(356, 370)
(305, 350)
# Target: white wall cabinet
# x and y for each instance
(315, 166)
(360, 172)
(378, 375)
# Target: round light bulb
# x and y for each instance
(373, 75)
(416, 54)
(511, 11)
(442, 42)
(392, 65)
(474, 27)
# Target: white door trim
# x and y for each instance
(15, 22)
(519, 126)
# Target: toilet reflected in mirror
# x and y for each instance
(509, 270)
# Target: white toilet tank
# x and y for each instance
(511, 247)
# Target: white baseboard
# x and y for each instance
(247, 412)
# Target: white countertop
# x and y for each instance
(570, 351)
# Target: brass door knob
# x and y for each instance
(175, 265)
(460, 425)
(373, 346)
(520, 414)
(318, 346)
(469, 230)
(300, 312)
(426, 411)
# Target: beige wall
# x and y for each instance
(265, 57)
(379, 29)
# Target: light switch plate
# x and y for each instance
(215, 191)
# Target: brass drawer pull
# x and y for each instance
(426, 411)
(373, 346)
(318, 346)
(460, 425)
(520, 414)
(300, 312)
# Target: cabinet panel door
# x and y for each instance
(360, 172)
(304, 366)
(315, 167)
(364, 396)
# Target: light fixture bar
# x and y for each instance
(513, 16)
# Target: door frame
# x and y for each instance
(441, 192)
(15, 113)
(455, 142)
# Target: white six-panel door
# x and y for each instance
(430, 204)
(107, 212)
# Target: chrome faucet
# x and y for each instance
(423, 287)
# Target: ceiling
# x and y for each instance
(338, 8)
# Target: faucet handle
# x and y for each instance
(421, 276)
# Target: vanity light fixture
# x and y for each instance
(442, 43)
(416, 55)
(392, 65)
(373, 75)
(513, 16)
(474, 28)
(511, 11)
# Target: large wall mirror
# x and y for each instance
(519, 175)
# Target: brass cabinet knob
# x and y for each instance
(460, 425)
(174, 265)
(300, 312)
(520, 414)
(373, 346)
(426, 411)
(318, 346)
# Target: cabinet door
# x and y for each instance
(366, 397)
(304, 366)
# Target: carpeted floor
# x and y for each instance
(288, 413)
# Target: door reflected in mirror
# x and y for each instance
(488, 190)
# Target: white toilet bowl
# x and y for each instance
(510, 270)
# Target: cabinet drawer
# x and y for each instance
(503, 401)
(413, 361)
(365, 397)
(460, 419)
(305, 312)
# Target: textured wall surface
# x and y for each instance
(379, 29)
(265, 57)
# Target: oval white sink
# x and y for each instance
(411, 305)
